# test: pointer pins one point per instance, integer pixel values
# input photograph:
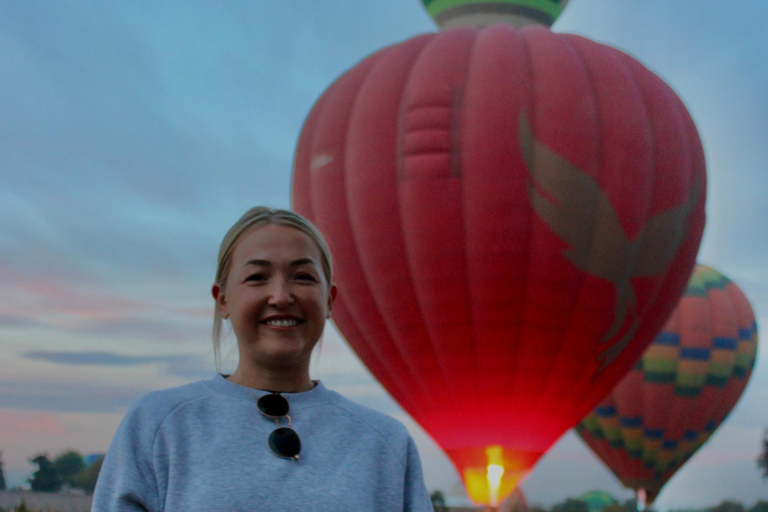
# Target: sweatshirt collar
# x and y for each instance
(297, 401)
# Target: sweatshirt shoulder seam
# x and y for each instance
(168, 415)
(373, 426)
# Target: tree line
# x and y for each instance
(67, 469)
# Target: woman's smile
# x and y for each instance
(281, 321)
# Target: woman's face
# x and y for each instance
(276, 296)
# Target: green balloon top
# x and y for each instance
(705, 278)
(479, 13)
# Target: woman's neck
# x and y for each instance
(281, 380)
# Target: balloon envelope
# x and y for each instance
(681, 390)
(513, 215)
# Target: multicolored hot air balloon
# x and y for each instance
(513, 215)
(480, 13)
(681, 390)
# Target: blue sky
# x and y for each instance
(132, 134)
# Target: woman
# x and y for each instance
(265, 437)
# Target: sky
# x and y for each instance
(134, 133)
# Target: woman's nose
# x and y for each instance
(280, 294)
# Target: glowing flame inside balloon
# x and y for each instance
(494, 474)
(494, 480)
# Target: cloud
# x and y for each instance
(93, 358)
(12, 321)
(51, 293)
(160, 330)
(111, 328)
(16, 425)
(31, 301)
(189, 367)
(68, 397)
(132, 139)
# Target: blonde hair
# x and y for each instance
(255, 217)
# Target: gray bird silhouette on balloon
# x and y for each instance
(571, 203)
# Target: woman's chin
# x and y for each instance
(285, 356)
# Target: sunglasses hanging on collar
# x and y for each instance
(283, 441)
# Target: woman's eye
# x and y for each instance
(305, 277)
(256, 277)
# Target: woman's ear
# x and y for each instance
(331, 297)
(221, 300)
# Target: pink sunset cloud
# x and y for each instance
(17, 425)
(53, 303)
(43, 298)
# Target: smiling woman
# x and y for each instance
(266, 437)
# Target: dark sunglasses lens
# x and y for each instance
(285, 442)
(273, 405)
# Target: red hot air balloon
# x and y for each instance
(681, 390)
(513, 215)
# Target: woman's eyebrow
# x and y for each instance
(294, 263)
(261, 263)
(303, 261)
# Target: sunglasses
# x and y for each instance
(283, 441)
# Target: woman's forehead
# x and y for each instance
(274, 242)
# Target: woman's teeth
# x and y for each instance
(283, 322)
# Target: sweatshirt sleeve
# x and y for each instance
(127, 480)
(416, 495)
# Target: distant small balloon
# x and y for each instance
(477, 13)
(682, 389)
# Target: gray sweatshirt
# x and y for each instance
(203, 447)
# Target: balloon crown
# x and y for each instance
(479, 13)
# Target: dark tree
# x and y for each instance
(68, 464)
(438, 501)
(762, 460)
(86, 479)
(630, 505)
(728, 506)
(2, 475)
(520, 506)
(45, 479)
(571, 505)
(760, 506)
